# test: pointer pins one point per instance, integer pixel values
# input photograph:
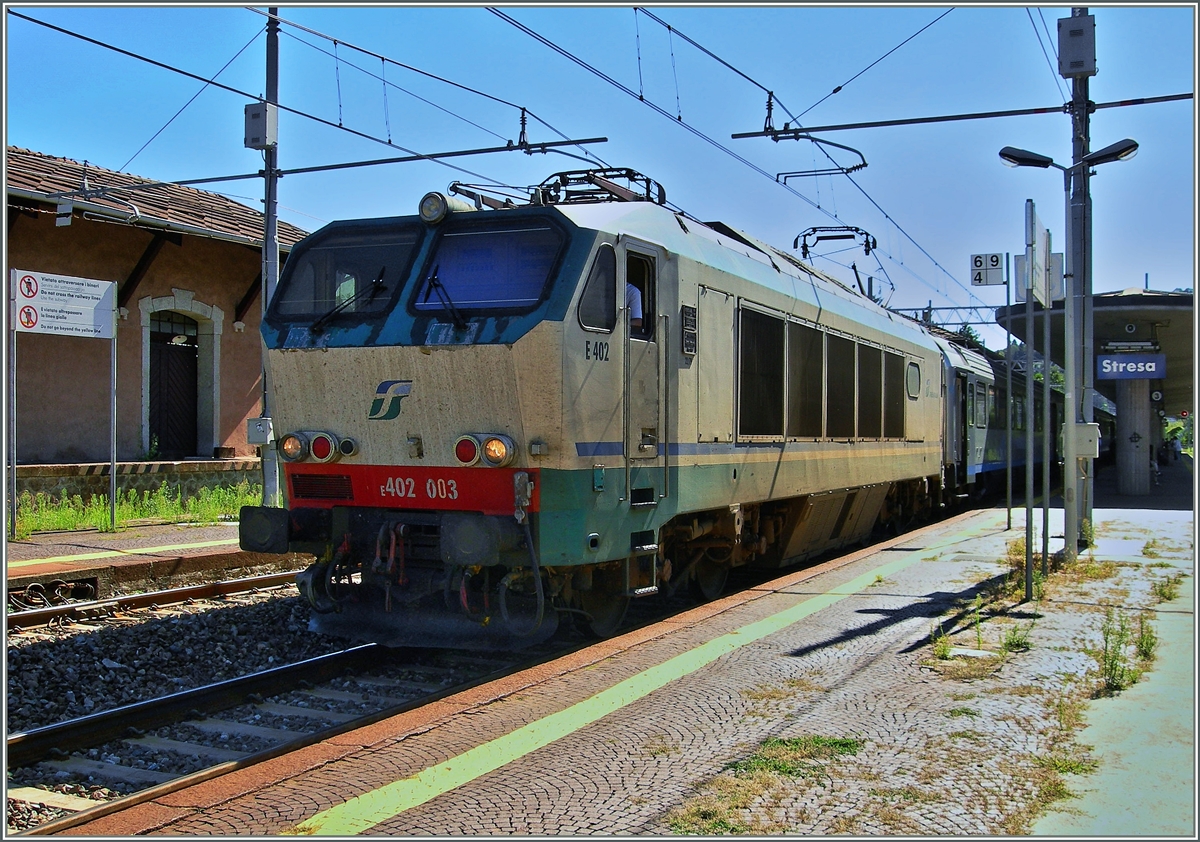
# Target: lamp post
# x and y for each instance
(1079, 287)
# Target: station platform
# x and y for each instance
(142, 556)
(636, 735)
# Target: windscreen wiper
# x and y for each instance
(435, 285)
(377, 286)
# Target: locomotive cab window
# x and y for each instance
(639, 295)
(598, 304)
(503, 265)
(344, 274)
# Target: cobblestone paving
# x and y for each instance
(939, 754)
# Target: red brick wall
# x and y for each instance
(63, 382)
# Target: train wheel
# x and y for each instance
(708, 579)
(606, 604)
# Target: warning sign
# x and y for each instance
(63, 305)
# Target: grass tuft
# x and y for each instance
(1167, 589)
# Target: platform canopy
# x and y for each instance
(1130, 320)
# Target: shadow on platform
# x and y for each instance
(1174, 491)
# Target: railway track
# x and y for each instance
(75, 611)
(186, 735)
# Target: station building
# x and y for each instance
(188, 271)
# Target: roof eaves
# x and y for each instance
(138, 220)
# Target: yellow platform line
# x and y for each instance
(114, 553)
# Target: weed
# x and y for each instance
(1149, 549)
(706, 816)
(956, 712)
(1049, 787)
(977, 621)
(1067, 764)
(793, 757)
(905, 793)
(1088, 533)
(1145, 643)
(1015, 556)
(1167, 589)
(878, 579)
(804, 685)
(844, 825)
(659, 746)
(941, 643)
(151, 454)
(1115, 672)
(1020, 690)
(722, 809)
(765, 693)
(967, 669)
(1092, 569)
(1017, 639)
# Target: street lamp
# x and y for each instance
(1122, 150)
(1011, 156)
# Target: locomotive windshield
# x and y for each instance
(503, 266)
(345, 275)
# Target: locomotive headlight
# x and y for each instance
(498, 451)
(434, 207)
(294, 447)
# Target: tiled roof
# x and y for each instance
(171, 206)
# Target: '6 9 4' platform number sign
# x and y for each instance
(987, 270)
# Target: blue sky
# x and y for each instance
(931, 194)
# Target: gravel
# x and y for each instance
(76, 669)
(23, 815)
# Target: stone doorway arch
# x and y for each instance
(210, 321)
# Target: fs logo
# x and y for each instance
(386, 405)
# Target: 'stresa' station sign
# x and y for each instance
(1131, 366)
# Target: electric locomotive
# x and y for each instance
(495, 417)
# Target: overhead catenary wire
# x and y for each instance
(623, 88)
(857, 186)
(468, 89)
(387, 120)
(388, 84)
(1042, 44)
(190, 101)
(842, 86)
(250, 96)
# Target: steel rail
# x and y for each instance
(106, 808)
(30, 747)
(100, 607)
